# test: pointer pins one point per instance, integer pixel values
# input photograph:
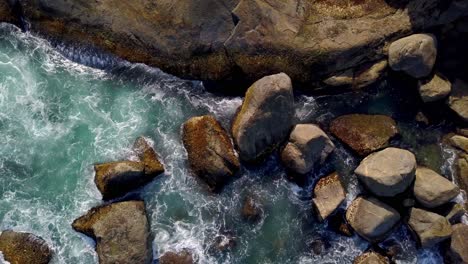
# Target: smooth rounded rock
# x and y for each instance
(371, 219)
(265, 117)
(387, 172)
(364, 133)
(430, 228)
(434, 89)
(307, 146)
(329, 194)
(460, 142)
(24, 248)
(210, 151)
(121, 231)
(414, 55)
(432, 189)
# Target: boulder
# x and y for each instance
(458, 99)
(210, 151)
(121, 231)
(459, 243)
(434, 89)
(148, 157)
(307, 146)
(183, 257)
(24, 248)
(251, 210)
(431, 189)
(364, 133)
(371, 257)
(429, 227)
(371, 219)
(460, 142)
(265, 117)
(415, 55)
(462, 172)
(387, 172)
(329, 194)
(114, 179)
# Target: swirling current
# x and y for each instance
(58, 117)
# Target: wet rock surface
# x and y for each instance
(148, 157)
(210, 151)
(183, 257)
(24, 248)
(414, 55)
(265, 117)
(371, 257)
(329, 194)
(432, 189)
(387, 172)
(307, 147)
(364, 133)
(429, 227)
(252, 210)
(371, 219)
(459, 243)
(121, 231)
(434, 89)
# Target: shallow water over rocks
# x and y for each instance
(58, 118)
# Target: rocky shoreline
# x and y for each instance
(397, 189)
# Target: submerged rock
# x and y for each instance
(24, 248)
(210, 151)
(329, 194)
(387, 172)
(121, 231)
(434, 89)
(458, 99)
(251, 210)
(364, 133)
(430, 228)
(460, 142)
(371, 219)
(371, 257)
(148, 156)
(432, 189)
(307, 146)
(414, 55)
(459, 243)
(183, 257)
(265, 117)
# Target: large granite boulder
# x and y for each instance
(371, 219)
(434, 89)
(329, 194)
(371, 257)
(459, 243)
(431, 189)
(265, 117)
(364, 133)
(121, 231)
(429, 227)
(210, 151)
(183, 257)
(459, 142)
(307, 146)
(308, 40)
(414, 55)
(387, 172)
(24, 248)
(458, 99)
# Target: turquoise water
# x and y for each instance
(58, 118)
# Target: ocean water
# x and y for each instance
(58, 117)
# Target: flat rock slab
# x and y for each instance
(364, 133)
(430, 228)
(432, 189)
(121, 231)
(387, 172)
(210, 151)
(459, 243)
(24, 248)
(265, 117)
(307, 147)
(329, 194)
(371, 219)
